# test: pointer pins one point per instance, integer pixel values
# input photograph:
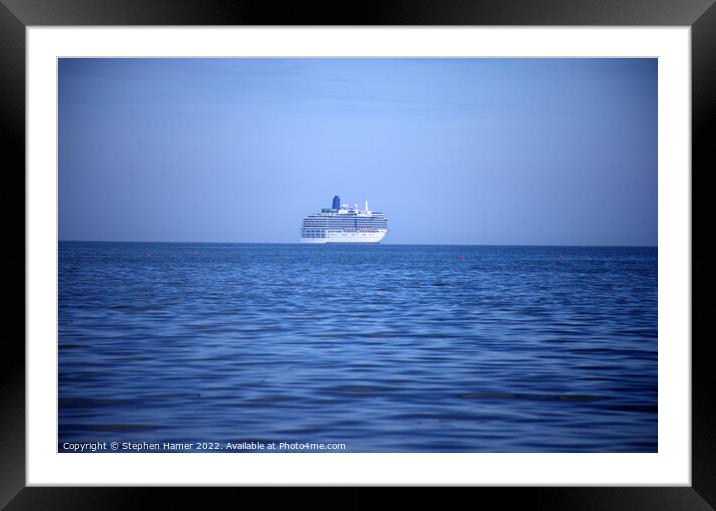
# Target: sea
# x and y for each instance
(212, 347)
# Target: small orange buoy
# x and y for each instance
(461, 257)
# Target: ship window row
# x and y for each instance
(339, 229)
(343, 219)
(323, 221)
(345, 227)
(314, 222)
(323, 232)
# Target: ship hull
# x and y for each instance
(348, 237)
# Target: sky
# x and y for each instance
(453, 151)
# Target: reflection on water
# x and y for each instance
(384, 348)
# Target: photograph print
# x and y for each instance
(377, 255)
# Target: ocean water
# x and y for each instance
(382, 348)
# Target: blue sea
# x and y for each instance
(378, 348)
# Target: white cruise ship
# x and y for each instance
(343, 224)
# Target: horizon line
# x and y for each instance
(411, 244)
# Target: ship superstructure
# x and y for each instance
(344, 224)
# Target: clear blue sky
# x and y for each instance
(475, 151)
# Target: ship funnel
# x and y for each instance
(336, 202)
(366, 205)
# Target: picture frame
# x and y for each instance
(15, 16)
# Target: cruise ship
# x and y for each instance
(343, 224)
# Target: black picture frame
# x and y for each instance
(16, 15)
